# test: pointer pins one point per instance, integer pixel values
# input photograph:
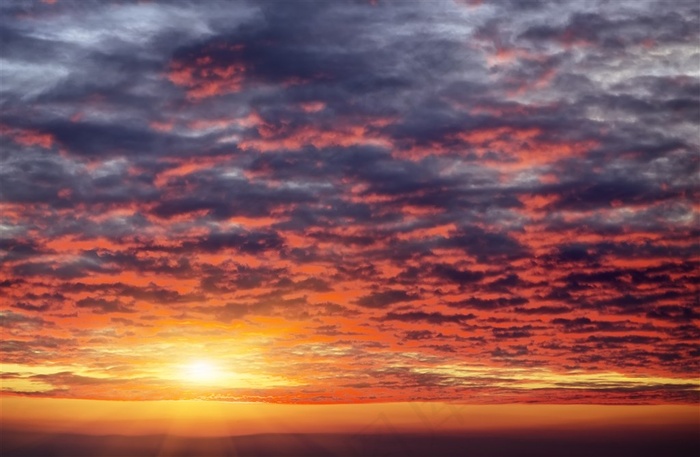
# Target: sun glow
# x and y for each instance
(203, 372)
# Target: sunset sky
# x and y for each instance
(462, 202)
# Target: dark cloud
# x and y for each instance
(432, 317)
(151, 293)
(485, 245)
(543, 310)
(241, 277)
(586, 325)
(673, 313)
(415, 335)
(385, 298)
(247, 243)
(512, 332)
(489, 303)
(19, 249)
(13, 320)
(103, 306)
(615, 341)
(30, 307)
(449, 273)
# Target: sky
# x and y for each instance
(350, 202)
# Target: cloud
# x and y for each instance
(512, 332)
(11, 319)
(103, 306)
(489, 303)
(385, 298)
(342, 194)
(433, 317)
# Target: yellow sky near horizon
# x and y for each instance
(213, 418)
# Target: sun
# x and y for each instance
(202, 372)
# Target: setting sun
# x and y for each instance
(202, 372)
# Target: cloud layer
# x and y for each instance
(350, 201)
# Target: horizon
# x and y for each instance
(206, 418)
(201, 428)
